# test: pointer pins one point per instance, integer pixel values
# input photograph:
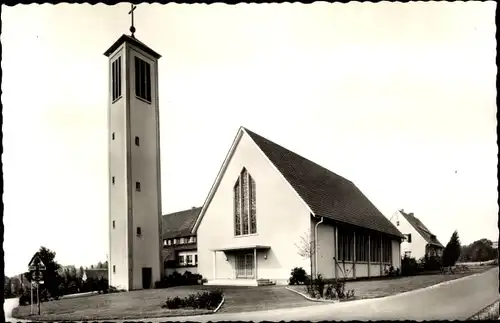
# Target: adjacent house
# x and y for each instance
(179, 243)
(419, 240)
(266, 198)
(95, 273)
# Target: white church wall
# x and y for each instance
(326, 250)
(396, 254)
(118, 255)
(282, 218)
(145, 162)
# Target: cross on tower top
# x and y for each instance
(131, 13)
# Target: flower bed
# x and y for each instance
(207, 300)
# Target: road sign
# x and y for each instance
(37, 275)
(36, 263)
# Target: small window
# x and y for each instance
(181, 260)
(189, 260)
(169, 242)
(397, 223)
(139, 231)
(113, 180)
(138, 186)
(183, 240)
(116, 77)
(408, 237)
(113, 224)
(142, 79)
(137, 141)
(114, 269)
(113, 136)
(165, 242)
(196, 260)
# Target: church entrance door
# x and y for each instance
(245, 266)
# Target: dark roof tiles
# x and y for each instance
(179, 224)
(326, 193)
(421, 229)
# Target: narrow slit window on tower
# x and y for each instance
(116, 77)
(113, 180)
(139, 231)
(137, 141)
(142, 79)
(138, 186)
(113, 224)
(113, 136)
(114, 269)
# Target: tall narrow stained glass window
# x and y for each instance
(237, 208)
(244, 218)
(253, 206)
(245, 206)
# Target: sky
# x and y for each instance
(400, 98)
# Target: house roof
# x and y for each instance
(327, 194)
(421, 229)
(96, 273)
(179, 224)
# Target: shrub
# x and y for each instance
(409, 266)
(391, 272)
(337, 287)
(333, 290)
(206, 300)
(297, 276)
(431, 263)
(311, 291)
(176, 279)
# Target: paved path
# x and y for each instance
(453, 300)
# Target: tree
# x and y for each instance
(306, 249)
(7, 292)
(451, 252)
(16, 288)
(51, 277)
(79, 273)
(479, 250)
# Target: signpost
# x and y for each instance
(36, 268)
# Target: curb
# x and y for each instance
(312, 299)
(218, 307)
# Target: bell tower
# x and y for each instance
(135, 224)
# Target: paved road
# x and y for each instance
(453, 300)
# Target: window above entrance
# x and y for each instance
(245, 207)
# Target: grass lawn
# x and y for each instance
(391, 286)
(147, 303)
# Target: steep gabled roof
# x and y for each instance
(421, 229)
(179, 224)
(326, 193)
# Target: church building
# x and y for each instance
(266, 199)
